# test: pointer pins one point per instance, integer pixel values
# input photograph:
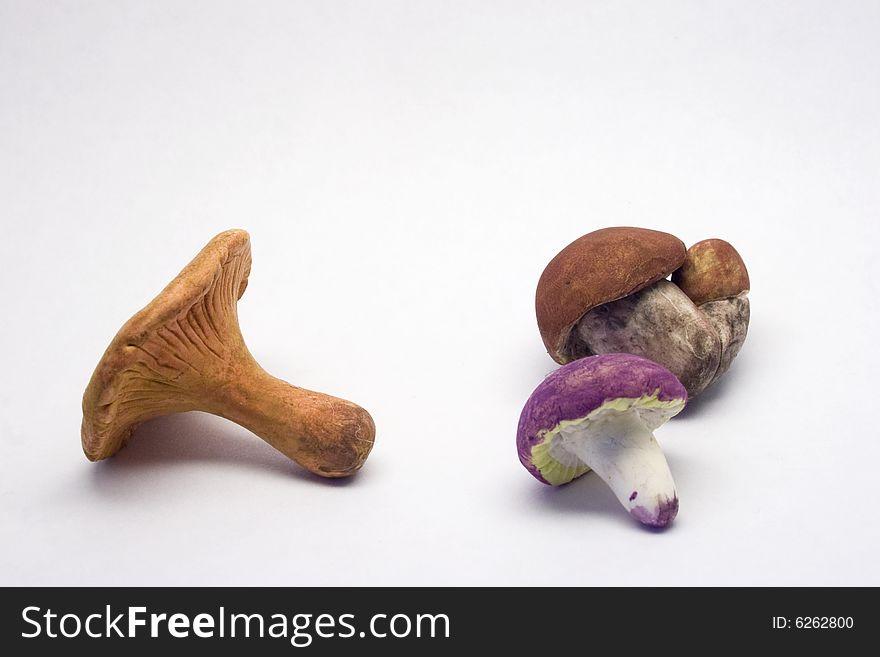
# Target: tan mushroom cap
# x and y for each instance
(113, 403)
(712, 270)
(598, 268)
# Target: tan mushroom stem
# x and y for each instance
(185, 352)
(331, 437)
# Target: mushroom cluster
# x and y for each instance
(184, 352)
(607, 292)
(634, 345)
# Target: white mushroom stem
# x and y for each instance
(624, 453)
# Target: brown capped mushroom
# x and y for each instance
(607, 292)
(601, 266)
(715, 278)
(184, 352)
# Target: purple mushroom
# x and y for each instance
(599, 413)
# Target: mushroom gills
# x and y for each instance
(659, 323)
(621, 449)
(184, 351)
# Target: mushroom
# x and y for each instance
(608, 292)
(184, 352)
(599, 413)
(715, 278)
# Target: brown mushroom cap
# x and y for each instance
(600, 267)
(129, 384)
(711, 271)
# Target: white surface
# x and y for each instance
(406, 170)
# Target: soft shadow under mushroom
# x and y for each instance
(696, 406)
(587, 495)
(198, 438)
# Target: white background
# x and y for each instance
(406, 169)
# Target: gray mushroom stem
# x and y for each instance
(659, 323)
(624, 453)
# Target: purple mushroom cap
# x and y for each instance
(581, 387)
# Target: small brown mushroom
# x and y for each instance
(185, 352)
(715, 278)
(607, 292)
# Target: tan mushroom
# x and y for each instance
(607, 292)
(185, 352)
